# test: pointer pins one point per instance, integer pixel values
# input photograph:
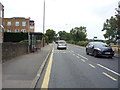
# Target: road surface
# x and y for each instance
(72, 68)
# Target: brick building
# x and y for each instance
(1, 17)
(18, 24)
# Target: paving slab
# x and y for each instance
(19, 72)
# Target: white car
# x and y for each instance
(62, 44)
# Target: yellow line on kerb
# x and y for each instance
(110, 76)
(47, 74)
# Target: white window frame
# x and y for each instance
(17, 30)
(17, 23)
(23, 23)
(9, 30)
(9, 23)
(23, 30)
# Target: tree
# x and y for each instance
(78, 33)
(110, 28)
(63, 35)
(51, 34)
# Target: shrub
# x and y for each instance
(71, 41)
(82, 43)
(39, 40)
(15, 36)
(24, 41)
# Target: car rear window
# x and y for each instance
(61, 42)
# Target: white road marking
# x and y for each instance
(78, 57)
(38, 75)
(74, 54)
(109, 69)
(72, 51)
(91, 65)
(109, 76)
(82, 60)
(83, 57)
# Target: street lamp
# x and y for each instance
(44, 17)
(43, 21)
(29, 35)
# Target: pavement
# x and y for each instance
(0, 76)
(117, 55)
(21, 71)
(0, 65)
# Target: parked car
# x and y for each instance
(62, 44)
(99, 49)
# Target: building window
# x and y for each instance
(3, 23)
(23, 30)
(1, 14)
(17, 23)
(17, 30)
(23, 23)
(9, 23)
(8, 30)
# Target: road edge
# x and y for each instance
(34, 82)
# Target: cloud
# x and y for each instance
(64, 14)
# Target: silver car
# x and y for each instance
(62, 44)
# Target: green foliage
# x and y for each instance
(78, 33)
(63, 35)
(24, 41)
(82, 43)
(110, 28)
(15, 36)
(51, 35)
(39, 40)
(71, 41)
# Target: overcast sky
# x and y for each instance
(64, 14)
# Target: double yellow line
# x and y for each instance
(47, 74)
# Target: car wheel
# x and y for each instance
(95, 53)
(87, 52)
(110, 56)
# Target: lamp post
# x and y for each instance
(43, 21)
(44, 17)
(29, 35)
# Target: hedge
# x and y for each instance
(15, 36)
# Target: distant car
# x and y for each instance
(99, 49)
(61, 44)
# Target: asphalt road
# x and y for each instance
(72, 68)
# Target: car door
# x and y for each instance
(91, 48)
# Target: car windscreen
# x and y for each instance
(101, 45)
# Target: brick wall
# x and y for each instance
(11, 50)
